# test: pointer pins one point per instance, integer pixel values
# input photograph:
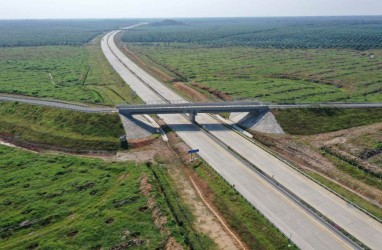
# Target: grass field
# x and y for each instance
(72, 73)
(315, 121)
(275, 75)
(64, 202)
(60, 128)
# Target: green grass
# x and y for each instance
(251, 226)
(354, 172)
(60, 128)
(64, 202)
(275, 75)
(315, 121)
(79, 73)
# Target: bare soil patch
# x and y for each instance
(193, 94)
(173, 245)
(160, 220)
(221, 95)
(139, 143)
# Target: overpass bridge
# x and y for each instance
(221, 107)
(191, 108)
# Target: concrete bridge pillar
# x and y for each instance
(193, 116)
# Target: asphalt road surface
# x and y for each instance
(306, 231)
(57, 104)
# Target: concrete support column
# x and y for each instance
(193, 116)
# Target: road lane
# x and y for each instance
(306, 231)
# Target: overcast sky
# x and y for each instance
(31, 9)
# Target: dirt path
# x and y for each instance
(51, 78)
(206, 219)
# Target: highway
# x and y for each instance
(305, 230)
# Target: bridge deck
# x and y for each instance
(218, 107)
(215, 107)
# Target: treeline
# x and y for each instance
(55, 32)
(360, 33)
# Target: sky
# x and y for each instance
(58, 9)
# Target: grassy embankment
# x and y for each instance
(276, 75)
(315, 121)
(71, 73)
(49, 127)
(64, 202)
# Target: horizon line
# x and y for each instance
(200, 17)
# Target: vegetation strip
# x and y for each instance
(321, 120)
(352, 162)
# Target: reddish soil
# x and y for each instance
(140, 143)
(190, 92)
(221, 95)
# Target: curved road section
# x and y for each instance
(304, 229)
